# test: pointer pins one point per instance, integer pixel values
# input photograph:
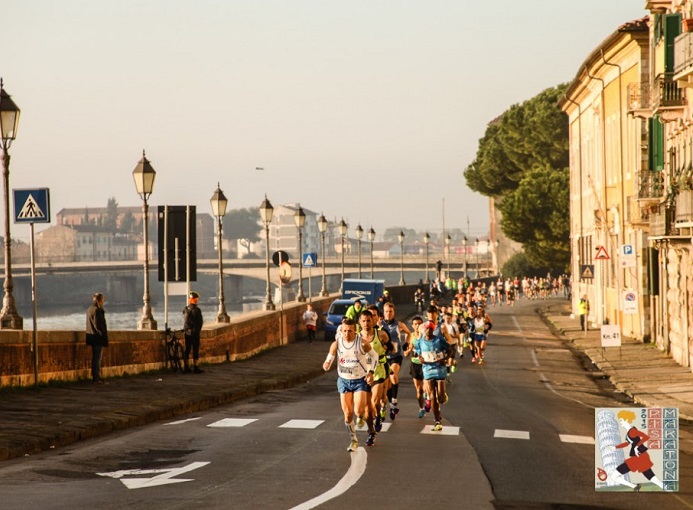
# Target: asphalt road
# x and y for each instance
(501, 447)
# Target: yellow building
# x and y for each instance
(608, 180)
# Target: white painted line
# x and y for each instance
(163, 476)
(182, 421)
(511, 434)
(386, 427)
(301, 424)
(447, 431)
(356, 470)
(567, 438)
(533, 355)
(232, 422)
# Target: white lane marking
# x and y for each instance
(567, 438)
(546, 382)
(163, 476)
(386, 427)
(358, 467)
(517, 324)
(182, 421)
(301, 424)
(447, 431)
(533, 355)
(232, 422)
(511, 434)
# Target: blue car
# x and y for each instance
(334, 315)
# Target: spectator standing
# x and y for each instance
(192, 326)
(97, 335)
(583, 310)
(311, 320)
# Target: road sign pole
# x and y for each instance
(34, 337)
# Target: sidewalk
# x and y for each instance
(641, 371)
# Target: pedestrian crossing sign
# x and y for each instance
(587, 271)
(310, 259)
(31, 205)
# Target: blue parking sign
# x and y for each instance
(32, 205)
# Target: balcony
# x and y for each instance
(683, 59)
(639, 101)
(661, 222)
(650, 193)
(684, 209)
(668, 100)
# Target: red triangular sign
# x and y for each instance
(601, 254)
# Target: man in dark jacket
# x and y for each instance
(192, 325)
(97, 335)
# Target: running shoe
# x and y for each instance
(422, 412)
(453, 369)
(353, 446)
(394, 410)
(378, 424)
(474, 359)
(437, 427)
(383, 413)
(371, 440)
(360, 422)
(427, 405)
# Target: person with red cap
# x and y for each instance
(192, 326)
(434, 350)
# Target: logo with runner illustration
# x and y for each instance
(636, 449)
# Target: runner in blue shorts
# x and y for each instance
(434, 351)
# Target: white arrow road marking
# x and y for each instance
(356, 470)
(164, 476)
(301, 424)
(181, 421)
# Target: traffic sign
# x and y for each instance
(31, 205)
(630, 302)
(628, 256)
(601, 254)
(310, 260)
(586, 271)
(285, 272)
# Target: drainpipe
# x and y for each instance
(579, 107)
(602, 284)
(621, 272)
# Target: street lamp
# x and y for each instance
(448, 240)
(427, 241)
(464, 245)
(9, 121)
(144, 176)
(476, 243)
(400, 236)
(497, 256)
(359, 235)
(300, 221)
(266, 212)
(343, 227)
(371, 238)
(322, 228)
(219, 203)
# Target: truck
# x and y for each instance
(367, 291)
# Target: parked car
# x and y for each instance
(334, 315)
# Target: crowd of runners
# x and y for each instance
(370, 349)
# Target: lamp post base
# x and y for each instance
(147, 323)
(324, 293)
(10, 320)
(223, 318)
(268, 306)
(402, 282)
(301, 298)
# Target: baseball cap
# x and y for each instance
(429, 325)
(194, 295)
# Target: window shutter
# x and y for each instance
(655, 140)
(672, 28)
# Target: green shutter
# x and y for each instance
(658, 32)
(672, 28)
(655, 141)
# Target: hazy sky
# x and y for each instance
(367, 110)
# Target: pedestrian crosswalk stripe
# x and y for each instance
(301, 424)
(511, 434)
(179, 422)
(447, 431)
(364, 427)
(232, 422)
(567, 438)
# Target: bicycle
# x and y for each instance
(174, 350)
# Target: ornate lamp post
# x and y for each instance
(322, 228)
(343, 227)
(219, 203)
(448, 240)
(144, 176)
(400, 236)
(266, 212)
(9, 121)
(359, 236)
(464, 245)
(488, 251)
(497, 256)
(427, 241)
(371, 238)
(478, 267)
(300, 221)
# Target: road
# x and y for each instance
(517, 434)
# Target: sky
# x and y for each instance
(367, 110)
